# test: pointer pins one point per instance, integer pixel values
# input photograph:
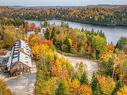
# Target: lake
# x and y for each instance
(113, 34)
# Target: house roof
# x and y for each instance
(25, 46)
(25, 59)
(30, 33)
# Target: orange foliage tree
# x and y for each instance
(111, 47)
(32, 26)
(85, 90)
(45, 41)
(34, 39)
(37, 29)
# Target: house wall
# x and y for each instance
(1, 60)
(14, 71)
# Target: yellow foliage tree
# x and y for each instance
(59, 68)
(105, 56)
(120, 61)
(43, 52)
(49, 87)
(3, 88)
(106, 84)
(122, 91)
(75, 84)
(36, 51)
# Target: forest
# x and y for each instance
(55, 74)
(88, 15)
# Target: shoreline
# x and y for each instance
(78, 22)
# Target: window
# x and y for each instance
(26, 57)
(26, 61)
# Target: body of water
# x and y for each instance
(113, 34)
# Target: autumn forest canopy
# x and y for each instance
(89, 15)
(55, 74)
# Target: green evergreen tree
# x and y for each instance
(119, 85)
(82, 30)
(84, 79)
(53, 32)
(121, 44)
(109, 67)
(62, 89)
(45, 24)
(95, 85)
(94, 82)
(47, 34)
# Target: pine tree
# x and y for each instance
(119, 85)
(45, 24)
(62, 89)
(84, 79)
(97, 90)
(94, 82)
(82, 30)
(95, 85)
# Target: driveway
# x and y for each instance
(23, 84)
(91, 65)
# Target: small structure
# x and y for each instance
(30, 33)
(40, 33)
(20, 58)
(4, 56)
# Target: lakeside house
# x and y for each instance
(20, 59)
(40, 33)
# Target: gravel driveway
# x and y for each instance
(91, 65)
(23, 84)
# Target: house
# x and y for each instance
(40, 33)
(4, 56)
(20, 58)
(30, 33)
